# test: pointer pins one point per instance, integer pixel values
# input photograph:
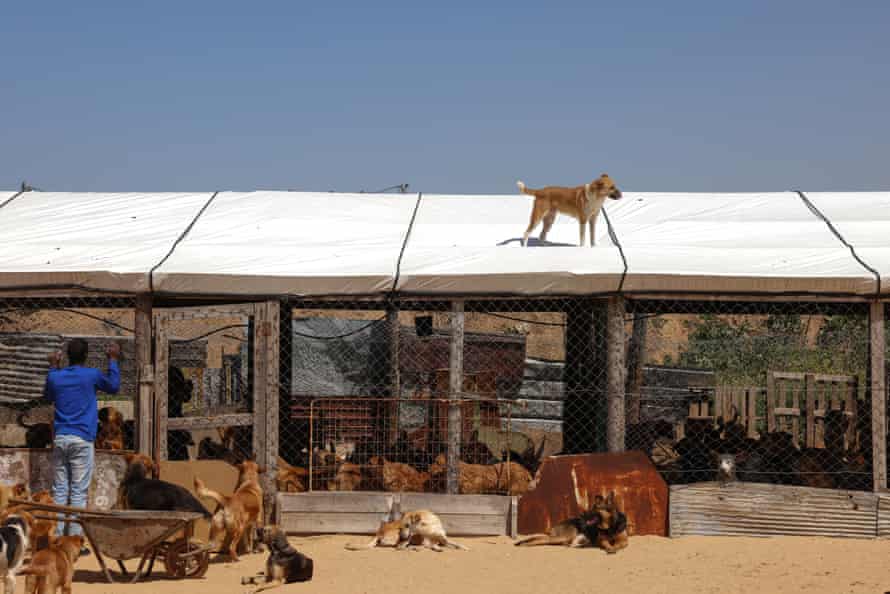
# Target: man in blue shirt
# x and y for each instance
(76, 420)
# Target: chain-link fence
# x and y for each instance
(766, 391)
(31, 331)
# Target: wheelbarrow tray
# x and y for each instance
(124, 534)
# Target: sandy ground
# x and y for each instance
(650, 565)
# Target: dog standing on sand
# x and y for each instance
(582, 202)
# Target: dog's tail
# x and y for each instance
(35, 570)
(355, 547)
(523, 189)
(203, 491)
(534, 540)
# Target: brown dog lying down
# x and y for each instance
(581, 202)
(603, 526)
(502, 477)
(285, 564)
(238, 515)
(52, 569)
(414, 529)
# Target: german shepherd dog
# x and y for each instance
(285, 564)
(612, 524)
(604, 526)
(577, 532)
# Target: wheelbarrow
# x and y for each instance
(144, 535)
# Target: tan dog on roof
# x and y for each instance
(581, 202)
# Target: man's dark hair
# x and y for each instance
(77, 351)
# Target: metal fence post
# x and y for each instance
(455, 387)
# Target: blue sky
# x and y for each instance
(461, 97)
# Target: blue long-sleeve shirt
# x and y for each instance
(73, 390)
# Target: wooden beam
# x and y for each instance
(615, 371)
(145, 369)
(395, 389)
(878, 396)
(455, 387)
(636, 358)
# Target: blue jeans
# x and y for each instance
(72, 473)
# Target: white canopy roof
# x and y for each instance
(275, 243)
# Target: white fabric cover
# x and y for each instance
(95, 241)
(766, 242)
(863, 219)
(275, 243)
(472, 244)
(291, 243)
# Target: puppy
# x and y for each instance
(426, 525)
(726, 469)
(582, 202)
(111, 429)
(52, 569)
(388, 533)
(612, 524)
(138, 492)
(37, 435)
(236, 516)
(14, 534)
(575, 532)
(285, 564)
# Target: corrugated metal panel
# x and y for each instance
(23, 365)
(746, 509)
(883, 516)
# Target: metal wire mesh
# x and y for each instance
(775, 392)
(31, 329)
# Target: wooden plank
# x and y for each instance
(455, 387)
(615, 370)
(795, 418)
(142, 337)
(878, 390)
(784, 411)
(771, 400)
(190, 423)
(769, 510)
(330, 522)
(482, 505)
(810, 388)
(339, 501)
(207, 311)
(635, 362)
(474, 525)
(883, 516)
(270, 455)
(162, 365)
(752, 396)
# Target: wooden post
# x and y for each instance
(878, 396)
(455, 387)
(615, 375)
(395, 389)
(636, 356)
(144, 408)
(265, 427)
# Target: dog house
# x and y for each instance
(544, 348)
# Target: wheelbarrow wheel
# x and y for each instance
(184, 559)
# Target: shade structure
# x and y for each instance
(332, 244)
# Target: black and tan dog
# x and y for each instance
(285, 564)
(577, 532)
(611, 525)
(604, 526)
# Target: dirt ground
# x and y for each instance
(651, 565)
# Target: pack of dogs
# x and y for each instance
(722, 451)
